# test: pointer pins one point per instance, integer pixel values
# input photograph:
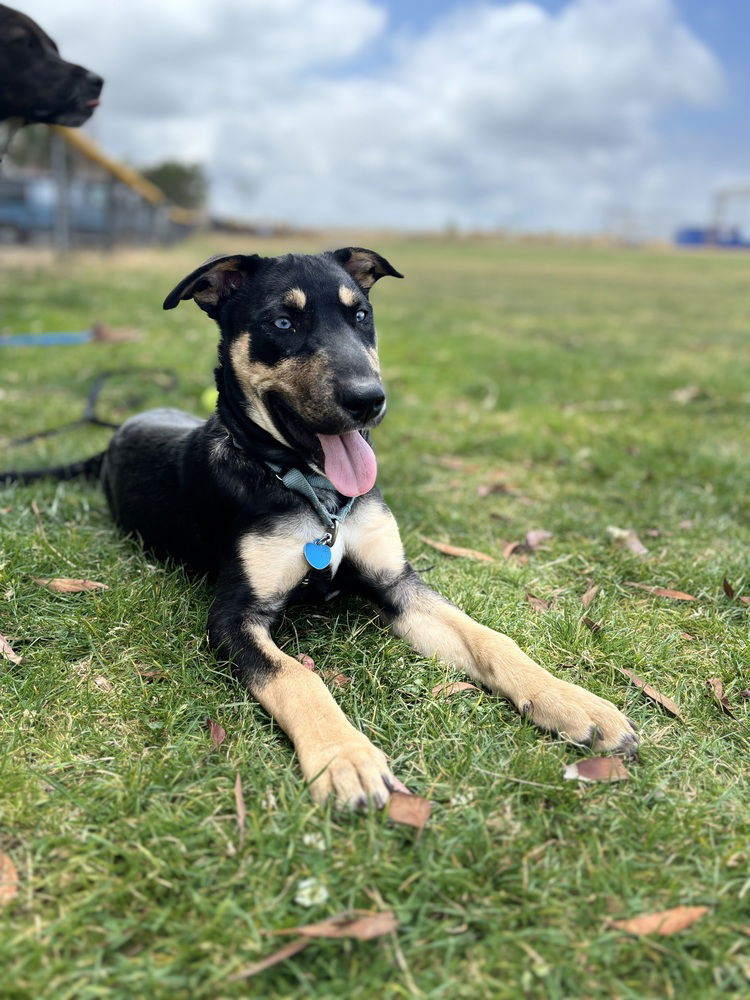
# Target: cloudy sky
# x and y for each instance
(572, 115)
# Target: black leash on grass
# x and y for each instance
(89, 466)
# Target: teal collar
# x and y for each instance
(306, 484)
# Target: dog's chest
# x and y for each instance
(274, 562)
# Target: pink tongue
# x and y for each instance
(349, 462)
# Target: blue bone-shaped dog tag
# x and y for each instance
(318, 555)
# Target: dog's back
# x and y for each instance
(143, 474)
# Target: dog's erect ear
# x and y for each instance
(365, 266)
(212, 282)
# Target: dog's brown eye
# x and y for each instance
(282, 323)
(360, 316)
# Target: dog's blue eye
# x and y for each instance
(282, 323)
(360, 317)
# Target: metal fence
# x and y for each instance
(85, 198)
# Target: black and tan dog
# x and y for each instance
(276, 495)
(299, 387)
(36, 84)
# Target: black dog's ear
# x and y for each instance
(365, 266)
(212, 282)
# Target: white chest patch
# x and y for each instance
(338, 549)
(312, 530)
(275, 563)
(348, 537)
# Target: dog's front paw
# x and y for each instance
(581, 717)
(352, 771)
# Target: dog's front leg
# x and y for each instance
(336, 759)
(434, 626)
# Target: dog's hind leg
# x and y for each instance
(336, 759)
(435, 627)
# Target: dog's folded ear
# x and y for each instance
(213, 282)
(365, 266)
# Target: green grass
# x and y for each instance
(551, 369)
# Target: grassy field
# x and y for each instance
(603, 388)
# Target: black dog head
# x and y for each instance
(299, 351)
(36, 84)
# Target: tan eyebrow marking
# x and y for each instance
(296, 298)
(347, 295)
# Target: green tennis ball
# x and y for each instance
(208, 400)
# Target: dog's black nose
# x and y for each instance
(363, 401)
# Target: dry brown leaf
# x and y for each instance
(538, 604)
(688, 636)
(114, 334)
(676, 595)
(239, 802)
(456, 550)
(456, 464)
(217, 732)
(340, 680)
(152, 675)
(590, 594)
(597, 769)
(293, 948)
(717, 690)
(411, 810)
(488, 489)
(513, 548)
(8, 879)
(8, 652)
(536, 538)
(635, 545)
(653, 694)
(731, 593)
(628, 538)
(453, 688)
(663, 922)
(364, 925)
(590, 624)
(68, 585)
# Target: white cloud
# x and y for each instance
(496, 114)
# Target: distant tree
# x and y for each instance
(183, 183)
